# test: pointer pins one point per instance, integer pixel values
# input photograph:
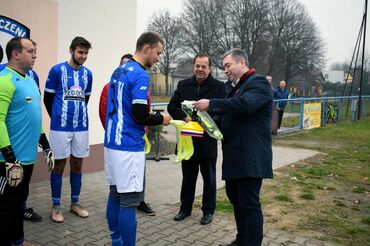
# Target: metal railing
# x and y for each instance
(334, 110)
(342, 109)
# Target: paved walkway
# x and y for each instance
(163, 192)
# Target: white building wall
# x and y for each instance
(110, 26)
(334, 76)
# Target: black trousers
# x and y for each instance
(190, 170)
(281, 113)
(244, 195)
(11, 202)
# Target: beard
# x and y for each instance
(148, 64)
(75, 61)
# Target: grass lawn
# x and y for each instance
(327, 196)
(291, 121)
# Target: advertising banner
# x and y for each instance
(312, 115)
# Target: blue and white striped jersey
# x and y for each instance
(129, 85)
(34, 75)
(69, 109)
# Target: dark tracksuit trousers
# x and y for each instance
(11, 203)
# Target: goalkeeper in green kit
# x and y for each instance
(21, 132)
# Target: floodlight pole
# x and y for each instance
(362, 64)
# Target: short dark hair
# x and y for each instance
(203, 55)
(238, 54)
(80, 42)
(128, 56)
(15, 44)
(150, 38)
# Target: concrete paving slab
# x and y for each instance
(162, 192)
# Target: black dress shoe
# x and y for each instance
(146, 209)
(181, 216)
(206, 219)
(230, 244)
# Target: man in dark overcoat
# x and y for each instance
(247, 154)
(201, 85)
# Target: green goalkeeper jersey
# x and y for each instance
(20, 115)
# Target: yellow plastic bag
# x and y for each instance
(204, 120)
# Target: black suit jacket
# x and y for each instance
(189, 89)
(246, 127)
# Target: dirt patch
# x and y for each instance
(319, 204)
(326, 196)
(311, 199)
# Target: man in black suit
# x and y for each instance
(247, 154)
(201, 85)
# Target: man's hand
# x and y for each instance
(201, 105)
(166, 119)
(14, 173)
(49, 159)
(187, 119)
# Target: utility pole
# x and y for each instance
(362, 64)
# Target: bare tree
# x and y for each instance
(279, 36)
(169, 28)
(296, 45)
(339, 66)
(216, 26)
(198, 28)
(354, 76)
(249, 21)
(278, 17)
(223, 33)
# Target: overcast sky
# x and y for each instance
(338, 21)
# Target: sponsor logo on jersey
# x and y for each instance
(75, 93)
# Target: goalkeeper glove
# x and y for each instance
(49, 158)
(14, 173)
